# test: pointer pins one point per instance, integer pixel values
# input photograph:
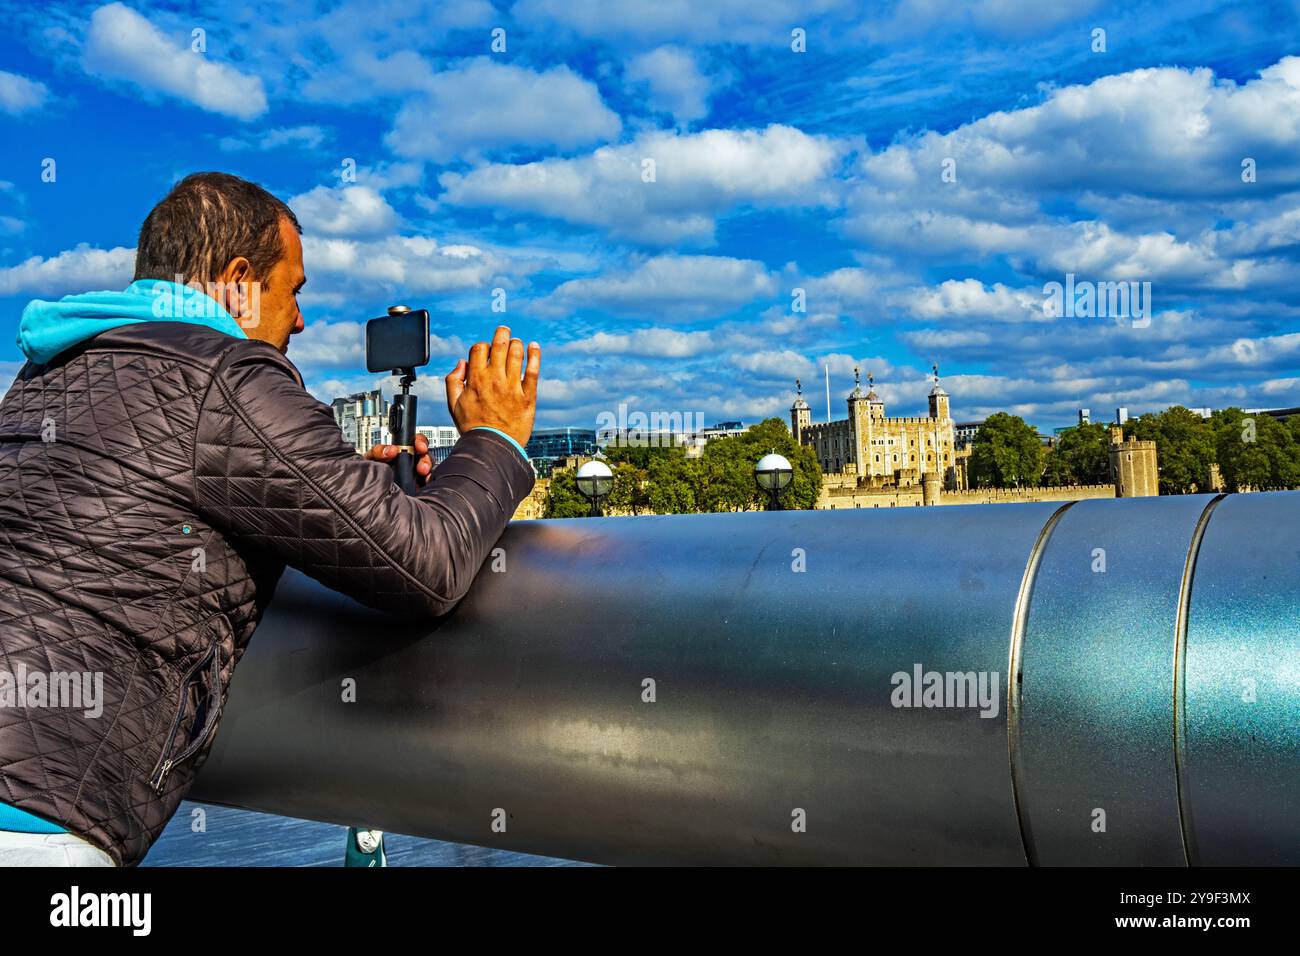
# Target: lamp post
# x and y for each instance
(773, 473)
(594, 481)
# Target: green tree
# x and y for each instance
(1081, 457)
(1056, 471)
(1255, 452)
(1185, 447)
(665, 481)
(629, 493)
(1006, 453)
(670, 486)
(562, 497)
(637, 455)
(742, 452)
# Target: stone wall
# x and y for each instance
(842, 494)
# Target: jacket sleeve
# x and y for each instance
(272, 470)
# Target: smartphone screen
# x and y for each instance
(397, 341)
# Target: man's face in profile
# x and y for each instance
(279, 316)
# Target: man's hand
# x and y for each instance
(488, 390)
(388, 453)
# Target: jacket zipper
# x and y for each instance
(166, 762)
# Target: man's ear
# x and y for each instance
(233, 291)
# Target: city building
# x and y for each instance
(1278, 413)
(963, 433)
(548, 445)
(878, 449)
(442, 439)
(723, 430)
(363, 418)
(694, 442)
(439, 436)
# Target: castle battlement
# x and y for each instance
(867, 444)
(909, 420)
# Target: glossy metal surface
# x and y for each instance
(772, 694)
(773, 691)
(1096, 722)
(1240, 732)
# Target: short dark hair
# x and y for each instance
(207, 220)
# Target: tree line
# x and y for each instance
(1254, 452)
(666, 481)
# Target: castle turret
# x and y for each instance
(857, 395)
(931, 485)
(1133, 466)
(938, 398)
(875, 407)
(800, 414)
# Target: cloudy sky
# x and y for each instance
(658, 188)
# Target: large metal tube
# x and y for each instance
(777, 728)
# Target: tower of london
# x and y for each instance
(880, 451)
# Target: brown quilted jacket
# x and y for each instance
(154, 483)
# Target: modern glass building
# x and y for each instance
(551, 444)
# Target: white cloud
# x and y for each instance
(782, 363)
(1160, 132)
(966, 298)
(362, 50)
(781, 321)
(675, 82)
(80, 269)
(122, 44)
(511, 107)
(1096, 250)
(338, 268)
(452, 345)
(1264, 352)
(928, 341)
(18, 94)
(306, 137)
(1157, 148)
(353, 211)
(667, 287)
(330, 345)
(1286, 389)
(841, 366)
(867, 294)
(567, 391)
(654, 342)
(697, 177)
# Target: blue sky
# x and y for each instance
(774, 170)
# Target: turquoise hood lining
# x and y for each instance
(48, 328)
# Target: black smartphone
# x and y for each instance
(398, 341)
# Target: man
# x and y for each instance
(160, 464)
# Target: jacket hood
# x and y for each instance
(48, 328)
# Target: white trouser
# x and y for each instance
(49, 849)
